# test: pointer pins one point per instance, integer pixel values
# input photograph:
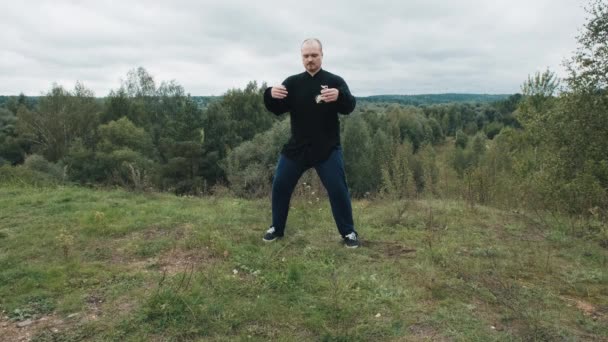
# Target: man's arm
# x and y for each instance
(346, 101)
(341, 95)
(275, 99)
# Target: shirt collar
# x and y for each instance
(315, 75)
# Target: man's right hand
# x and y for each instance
(278, 92)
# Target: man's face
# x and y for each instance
(312, 56)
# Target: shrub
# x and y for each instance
(37, 163)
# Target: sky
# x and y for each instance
(209, 47)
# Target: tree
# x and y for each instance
(569, 131)
(12, 146)
(356, 142)
(538, 90)
(62, 117)
(380, 156)
(397, 178)
(588, 68)
(227, 123)
(124, 134)
(249, 167)
(125, 149)
(220, 138)
(246, 108)
(461, 139)
(174, 123)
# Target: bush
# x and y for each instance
(128, 168)
(493, 129)
(250, 166)
(19, 175)
(461, 139)
(37, 163)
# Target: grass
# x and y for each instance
(113, 265)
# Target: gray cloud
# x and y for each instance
(379, 47)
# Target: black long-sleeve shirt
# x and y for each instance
(315, 127)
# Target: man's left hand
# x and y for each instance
(330, 94)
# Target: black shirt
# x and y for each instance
(315, 127)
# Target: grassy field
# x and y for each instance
(102, 265)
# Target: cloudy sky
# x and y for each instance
(378, 47)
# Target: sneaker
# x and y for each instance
(351, 240)
(271, 235)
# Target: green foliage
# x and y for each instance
(228, 122)
(397, 177)
(542, 85)
(431, 99)
(381, 154)
(62, 117)
(493, 129)
(83, 166)
(12, 146)
(12, 103)
(461, 160)
(438, 135)
(588, 68)
(8, 121)
(123, 134)
(25, 177)
(411, 125)
(122, 156)
(250, 166)
(158, 132)
(479, 145)
(37, 163)
(569, 131)
(147, 134)
(461, 139)
(358, 161)
(127, 168)
(429, 178)
(246, 109)
(180, 141)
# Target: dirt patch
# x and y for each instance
(28, 329)
(172, 261)
(587, 308)
(155, 232)
(390, 248)
(425, 332)
(94, 303)
(178, 260)
(126, 305)
(133, 264)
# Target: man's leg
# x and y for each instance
(285, 179)
(332, 175)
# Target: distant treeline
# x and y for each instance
(428, 99)
(413, 100)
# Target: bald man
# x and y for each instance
(313, 99)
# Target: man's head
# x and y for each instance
(312, 55)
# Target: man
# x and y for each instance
(313, 99)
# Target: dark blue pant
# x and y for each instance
(331, 173)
